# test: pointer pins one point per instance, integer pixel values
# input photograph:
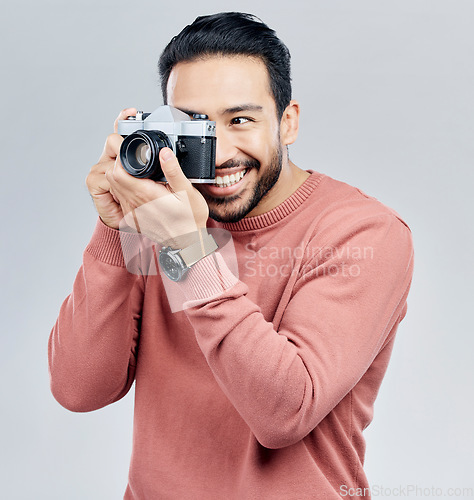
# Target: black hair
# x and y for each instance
(232, 34)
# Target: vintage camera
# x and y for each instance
(192, 140)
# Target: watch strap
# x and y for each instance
(197, 251)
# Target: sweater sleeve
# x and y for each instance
(344, 307)
(92, 346)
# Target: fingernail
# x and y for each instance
(166, 154)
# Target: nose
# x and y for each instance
(225, 149)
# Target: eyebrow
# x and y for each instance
(241, 107)
(228, 111)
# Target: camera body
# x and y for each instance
(192, 140)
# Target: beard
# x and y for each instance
(235, 208)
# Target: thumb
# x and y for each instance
(173, 172)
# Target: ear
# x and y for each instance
(289, 123)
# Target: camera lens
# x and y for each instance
(139, 153)
(143, 154)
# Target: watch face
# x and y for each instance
(171, 266)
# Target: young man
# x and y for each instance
(261, 386)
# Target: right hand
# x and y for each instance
(106, 204)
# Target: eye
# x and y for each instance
(240, 120)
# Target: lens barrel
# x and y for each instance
(139, 153)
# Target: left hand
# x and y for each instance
(162, 212)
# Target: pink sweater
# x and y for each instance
(263, 390)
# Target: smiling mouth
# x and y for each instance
(229, 180)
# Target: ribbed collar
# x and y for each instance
(281, 211)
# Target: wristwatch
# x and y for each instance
(175, 262)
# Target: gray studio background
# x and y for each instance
(386, 94)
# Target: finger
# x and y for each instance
(101, 167)
(173, 173)
(123, 115)
(114, 186)
(96, 181)
(111, 148)
(126, 186)
(111, 177)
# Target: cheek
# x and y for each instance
(259, 145)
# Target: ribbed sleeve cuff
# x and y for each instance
(109, 245)
(207, 280)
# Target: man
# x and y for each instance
(261, 385)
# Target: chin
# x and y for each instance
(227, 215)
(230, 208)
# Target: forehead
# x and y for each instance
(219, 82)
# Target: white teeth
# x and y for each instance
(228, 180)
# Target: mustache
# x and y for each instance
(250, 163)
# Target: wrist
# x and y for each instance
(110, 223)
(179, 255)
